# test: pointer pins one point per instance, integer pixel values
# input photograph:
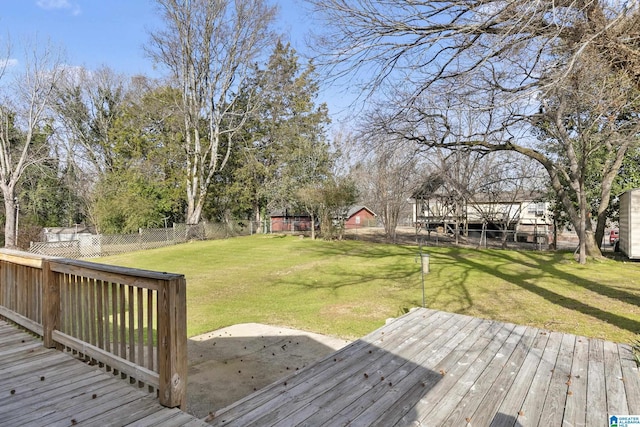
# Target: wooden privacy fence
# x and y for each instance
(131, 322)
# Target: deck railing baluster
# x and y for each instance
(101, 312)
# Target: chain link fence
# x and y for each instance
(91, 246)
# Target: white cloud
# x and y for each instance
(8, 62)
(59, 4)
(54, 4)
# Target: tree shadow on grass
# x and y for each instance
(454, 288)
(525, 281)
(401, 274)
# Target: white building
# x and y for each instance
(523, 216)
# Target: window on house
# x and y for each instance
(537, 209)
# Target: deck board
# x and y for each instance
(616, 395)
(629, 372)
(404, 383)
(434, 368)
(457, 357)
(498, 391)
(46, 387)
(596, 388)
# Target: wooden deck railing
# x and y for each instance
(132, 322)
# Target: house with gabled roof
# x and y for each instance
(360, 216)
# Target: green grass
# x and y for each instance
(349, 288)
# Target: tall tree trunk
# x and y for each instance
(313, 226)
(194, 211)
(10, 218)
(257, 218)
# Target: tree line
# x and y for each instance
(232, 132)
(557, 83)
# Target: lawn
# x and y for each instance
(349, 288)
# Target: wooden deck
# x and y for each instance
(46, 387)
(433, 368)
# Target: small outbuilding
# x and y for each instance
(630, 223)
(360, 216)
(285, 222)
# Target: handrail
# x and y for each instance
(130, 321)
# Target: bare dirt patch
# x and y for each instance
(231, 363)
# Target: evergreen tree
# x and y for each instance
(284, 145)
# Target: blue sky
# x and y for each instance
(94, 33)
(109, 32)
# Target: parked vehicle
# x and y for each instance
(614, 235)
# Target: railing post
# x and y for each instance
(172, 342)
(50, 303)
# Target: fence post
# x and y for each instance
(172, 342)
(50, 302)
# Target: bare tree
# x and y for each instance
(209, 48)
(517, 60)
(25, 123)
(503, 183)
(389, 173)
(87, 104)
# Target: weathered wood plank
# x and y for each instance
(21, 258)
(441, 366)
(21, 383)
(494, 396)
(438, 389)
(128, 414)
(32, 394)
(178, 420)
(614, 381)
(455, 394)
(130, 368)
(421, 334)
(58, 389)
(554, 403)
(575, 411)
(485, 373)
(362, 352)
(463, 412)
(7, 352)
(159, 417)
(30, 362)
(630, 373)
(423, 370)
(10, 341)
(422, 385)
(51, 310)
(55, 406)
(596, 388)
(112, 274)
(21, 320)
(406, 362)
(172, 342)
(102, 405)
(532, 406)
(341, 372)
